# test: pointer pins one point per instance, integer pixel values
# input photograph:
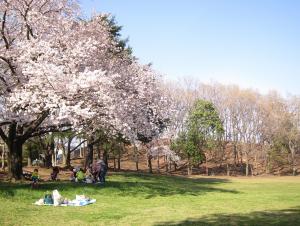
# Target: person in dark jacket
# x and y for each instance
(103, 171)
(55, 172)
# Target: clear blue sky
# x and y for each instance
(252, 43)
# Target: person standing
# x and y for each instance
(96, 170)
(103, 171)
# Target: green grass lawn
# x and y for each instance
(132, 199)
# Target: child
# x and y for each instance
(35, 178)
(79, 176)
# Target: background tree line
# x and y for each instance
(260, 132)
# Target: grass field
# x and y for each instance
(133, 199)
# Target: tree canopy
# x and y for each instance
(203, 128)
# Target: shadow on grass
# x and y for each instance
(150, 186)
(279, 217)
(131, 184)
(8, 189)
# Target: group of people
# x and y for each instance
(94, 173)
(35, 177)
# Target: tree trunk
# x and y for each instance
(251, 169)
(158, 163)
(48, 159)
(64, 157)
(255, 165)
(54, 160)
(294, 164)
(99, 151)
(105, 157)
(247, 166)
(294, 171)
(206, 167)
(64, 160)
(268, 167)
(15, 141)
(115, 164)
(68, 156)
(14, 155)
(3, 158)
(68, 159)
(166, 164)
(235, 155)
(119, 161)
(29, 161)
(89, 156)
(81, 150)
(150, 163)
(136, 158)
(49, 153)
(15, 159)
(228, 169)
(137, 165)
(189, 167)
(267, 163)
(241, 157)
(293, 154)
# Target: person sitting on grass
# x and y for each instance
(89, 176)
(35, 178)
(80, 176)
(55, 172)
(27, 175)
(73, 175)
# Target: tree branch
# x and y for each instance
(11, 67)
(4, 123)
(5, 83)
(35, 125)
(3, 136)
(42, 131)
(3, 32)
(78, 146)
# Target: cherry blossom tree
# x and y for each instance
(28, 31)
(59, 72)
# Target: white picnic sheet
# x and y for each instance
(81, 200)
(70, 203)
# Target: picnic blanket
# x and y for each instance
(57, 200)
(70, 203)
